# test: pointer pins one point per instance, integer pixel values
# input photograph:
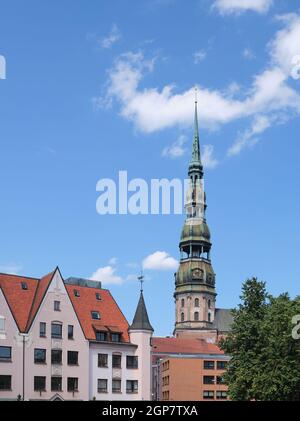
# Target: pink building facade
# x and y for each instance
(55, 337)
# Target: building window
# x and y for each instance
(56, 384)
(196, 316)
(208, 394)
(131, 361)
(209, 317)
(132, 386)
(72, 384)
(56, 330)
(72, 358)
(70, 332)
(56, 305)
(5, 382)
(221, 365)
(182, 317)
(102, 385)
(39, 356)
(39, 384)
(220, 380)
(116, 360)
(101, 336)
(24, 286)
(2, 324)
(208, 380)
(209, 303)
(102, 360)
(56, 356)
(116, 337)
(221, 394)
(182, 302)
(76, 293)
(42, 329)
(116, 386)
(196, 302)
(98, 296)
(5, 353)
(95, 315)
(209, 365)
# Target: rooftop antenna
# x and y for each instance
(141, 279)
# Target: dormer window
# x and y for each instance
(95, 315)
(101, 336)
(98, 296)
(116, 337)
(24, 286)
(76, 293)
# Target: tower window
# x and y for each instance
(196, 316)
(24, 285)
(209, 317)
(182, 302)
(209, 304)
(182, 317)
(196, 302)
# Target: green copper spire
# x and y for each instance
(195, 164)
(196, 148)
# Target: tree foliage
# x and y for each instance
(265, 359)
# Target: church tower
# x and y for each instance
(195, 293)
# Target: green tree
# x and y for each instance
(265, 359)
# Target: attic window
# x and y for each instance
(95, 315)
(24, 285)
(98, 296)
(76, 293)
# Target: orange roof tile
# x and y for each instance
(183, 346)
(111, 316)
(19, 300)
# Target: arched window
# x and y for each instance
(209, 317)
(196, 302)
(196, 316)
(182, 302)
(209, 303)
(182, 317)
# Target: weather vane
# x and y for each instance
(141, 280)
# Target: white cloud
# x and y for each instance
(107, 276)
(240, 6)
(154, 109)
(160, 260)
(113, 261)
(11, 268)
(248, 54)
(177, 149)
(248, 138)
(113, 36)
(208, 159)
(199, 56)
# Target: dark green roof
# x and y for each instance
(141, 319)
(223, 319)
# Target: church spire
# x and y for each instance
(195, 167)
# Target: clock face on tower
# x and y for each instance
(197, 273)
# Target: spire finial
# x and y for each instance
(141, 279)
(196, 94)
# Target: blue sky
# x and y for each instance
(96, 87)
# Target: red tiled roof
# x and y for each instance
(39, 295)
(111, 316)
(183, 346)
(19, 300)
(24, 305)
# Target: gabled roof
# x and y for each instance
(24, 304)
(183, 346)
(111, 317)
(40, 292)
(19, 300)
(141, 319)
